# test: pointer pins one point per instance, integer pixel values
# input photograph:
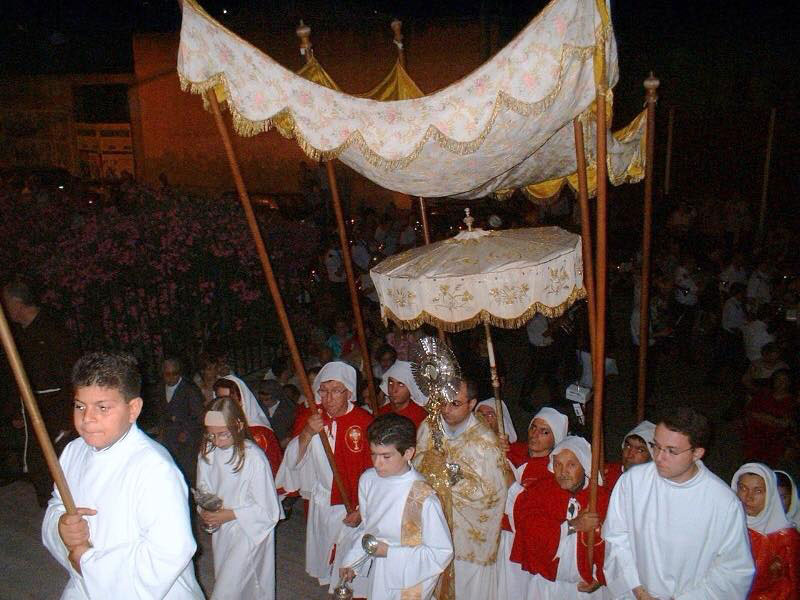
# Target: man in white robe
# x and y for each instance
(673, 528)
(476, 495)
(132, 537)
(305, 468)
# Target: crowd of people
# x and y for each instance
(458, 506)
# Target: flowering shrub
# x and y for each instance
(151, 273)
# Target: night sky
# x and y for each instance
(723, 64)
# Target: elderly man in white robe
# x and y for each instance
(673, 528)
(305, 468)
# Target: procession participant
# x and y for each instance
(479, 478)
(257, 421)
(674, 529)
(405, 397)
(488, 410)
(552, 520)
(403, 513)
(789, 498)
(773, 539)
(48, 353)
(233, 468)
(280, 409)
(635, 451)
(131, 537)
(547, 429)
(305, 466)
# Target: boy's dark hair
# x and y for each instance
(393, 430)
(690, 423)
(116, 370)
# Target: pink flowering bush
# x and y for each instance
(150, 273)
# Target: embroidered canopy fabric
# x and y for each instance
(499, 277)
(491, 130)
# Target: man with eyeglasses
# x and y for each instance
(305, 468)
(635, 451)
(674, 529)
(478, 483)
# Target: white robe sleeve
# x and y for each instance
(258, 510)
(296, 473)
(149, 566)
(619, 565)
(413, 564)
(732, 570)
(354, 551)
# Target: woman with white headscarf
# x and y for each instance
(530, 459)
(787, 488)
(773, 539)
(488, 410)
(405, 397)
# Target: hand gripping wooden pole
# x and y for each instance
(344, 243)
(272, 285)
(34, 416)
(651, 85)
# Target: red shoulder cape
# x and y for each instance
(517, 453)
(413, 411)
(777, 558)
(611, 474)
(538, 514)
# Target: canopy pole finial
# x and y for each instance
(468, 220)
(397, 28)
(303, 31)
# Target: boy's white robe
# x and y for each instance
(686, 541)
(142, 543)
(244, 549)
(382, 502)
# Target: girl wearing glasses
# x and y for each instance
(234, 468)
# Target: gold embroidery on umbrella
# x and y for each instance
(559, 280)
(401, 296)
(452, 299)
(510, 294)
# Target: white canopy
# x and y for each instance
(499, 277)
(507, 124)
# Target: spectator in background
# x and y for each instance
(408, 236)
(759, 286)
(768, 421)
(386, 356)
(206, 375)
(279, 408)
(181, 411)
(48, 353)
(342, 343)
(756, 334)
(760, 372)
(735, 272)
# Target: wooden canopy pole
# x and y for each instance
(397, 28)
(599, 351)
(426, 232)
(32, 408)
(498, 403)
(668, 164)
(344, 242)
(272, 284)
(586, 235)
(651, 85)
(765, 185)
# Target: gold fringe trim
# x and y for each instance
(485, 316)
(285, 123)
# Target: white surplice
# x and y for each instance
(382, 502)
(686, 541)
(142, 543)
(512, 579)
(313, 478)
(244, 549)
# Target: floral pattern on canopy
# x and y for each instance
(498, 277)
(491, 130)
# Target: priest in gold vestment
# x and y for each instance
(468, 470)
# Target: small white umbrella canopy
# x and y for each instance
(502, 278)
